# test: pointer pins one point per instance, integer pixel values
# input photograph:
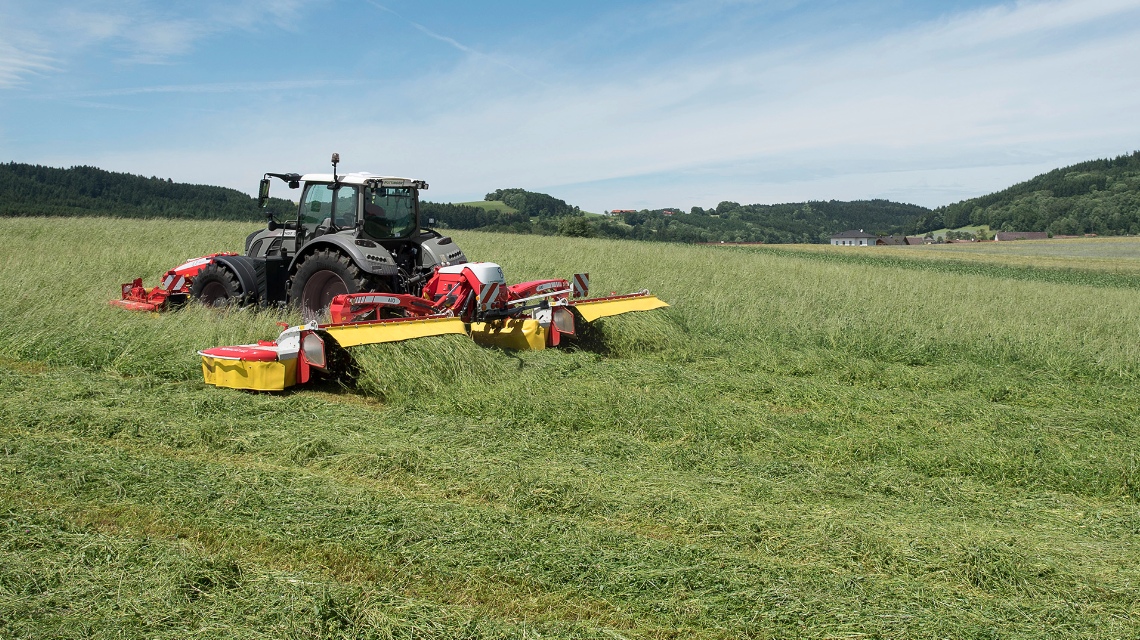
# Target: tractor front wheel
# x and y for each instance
(215, 286)
(320, 278)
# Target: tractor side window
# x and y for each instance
(316, 207)
(390, 212)
(345, 207)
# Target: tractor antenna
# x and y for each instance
(335, 162)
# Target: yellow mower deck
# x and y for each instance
(222, 368)
(249, 375)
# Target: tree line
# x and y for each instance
(36, 190)
(727, 222)
(1098, 196)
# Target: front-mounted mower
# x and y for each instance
(471, 299)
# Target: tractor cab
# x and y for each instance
(360, 204)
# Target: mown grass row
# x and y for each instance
(488, 521)
(970, 264)
(794, 448)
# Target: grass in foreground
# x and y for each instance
(796, 448)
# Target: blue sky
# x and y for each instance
(604, 104)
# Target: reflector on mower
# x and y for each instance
(313, 350)
(563, 320)
(581, 285)
(488, 296)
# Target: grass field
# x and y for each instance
(1095, 256)
(489, 205)
(806, 444)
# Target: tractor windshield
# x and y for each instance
(390, 212)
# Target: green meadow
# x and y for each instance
(490, 205)
(810, 442)
(1103, 257)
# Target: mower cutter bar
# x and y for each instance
(353, 334)
(593, 308)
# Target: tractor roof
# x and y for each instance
(365, 178)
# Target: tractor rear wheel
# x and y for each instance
(216, 286)
(321, 277)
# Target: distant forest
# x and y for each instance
(728, 222)
(1099, 196)
(35, 190)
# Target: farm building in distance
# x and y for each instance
(854, 238)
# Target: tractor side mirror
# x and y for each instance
(263, 193)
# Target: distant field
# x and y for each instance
(941, 233)
(1101, 255)
(498, 205)
(812, 442)
(490, 205)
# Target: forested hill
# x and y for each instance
(1099, 196)
(794, 222)
(34, 190)
(27, 190)
(529, 212)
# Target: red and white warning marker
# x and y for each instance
(581, 285)
(488, 295)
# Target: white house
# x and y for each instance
(854, 239)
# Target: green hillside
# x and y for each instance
(803, 222)
(34, 190)
(1099, 196)
(490, 205)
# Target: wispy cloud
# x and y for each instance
(219, 87)
(138, 31)
(17, 64)
(459, 46)
(1006, 86)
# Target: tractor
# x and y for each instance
(353, 233)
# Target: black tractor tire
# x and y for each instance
(319, 278)
(216, 286)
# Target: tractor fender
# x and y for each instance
(250, 273)
(371, 257)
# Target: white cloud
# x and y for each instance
(952, 108)
(1000, 87)
(140, 31)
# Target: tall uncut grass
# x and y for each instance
(797, 447)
